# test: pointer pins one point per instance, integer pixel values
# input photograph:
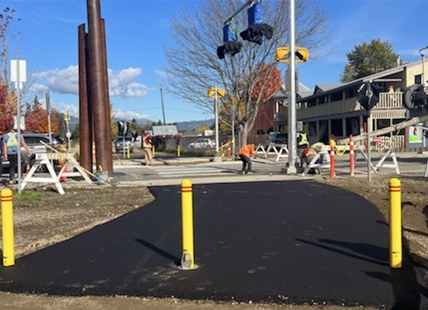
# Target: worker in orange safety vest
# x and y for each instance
(245, 154)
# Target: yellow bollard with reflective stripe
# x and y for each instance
(7, 227)
(395, 233)
(188, 257)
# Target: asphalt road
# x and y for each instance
(294, 241)
(169, 168)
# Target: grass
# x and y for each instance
(28, 196)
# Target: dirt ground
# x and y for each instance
(63, 216)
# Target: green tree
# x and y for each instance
(369, 58)
(193, 67)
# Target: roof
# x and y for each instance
(282, 93)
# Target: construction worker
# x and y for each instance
(147, 147)
(310, 152)
(245, 154)
(10, 151)
(302, 144)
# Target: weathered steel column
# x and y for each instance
(84, 107)
(107, 110)
(98, 82)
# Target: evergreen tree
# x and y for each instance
(369, 58)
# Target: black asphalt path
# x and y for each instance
(278, 242)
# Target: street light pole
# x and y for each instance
(292, 134)
(216, 93)
(233, 131)
(423, 84)
(216, 121)
(163, 108)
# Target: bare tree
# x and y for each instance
(10, 39)
(192, 64)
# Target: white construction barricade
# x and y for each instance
(325, 155)
(45, 159)
(382, 162)
(280, 150)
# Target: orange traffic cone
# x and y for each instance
(64, 173)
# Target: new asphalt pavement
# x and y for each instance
(284, 241)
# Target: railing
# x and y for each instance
(390, 100)
(386, 101)
(382, 143)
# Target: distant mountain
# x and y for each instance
(193, 125)
(181, 126)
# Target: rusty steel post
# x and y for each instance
(107, 110)
(84, 107)
(98, 81)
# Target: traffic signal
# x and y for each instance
(212, 91)
(231, 46)
(122, 128)
(256, 28)
(302, 54)
(368, 96)
(283, 54)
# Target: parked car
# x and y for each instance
(35, 146)
(128, 144)
(277, 138)
(204, 143)
(33, 141)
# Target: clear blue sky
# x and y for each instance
(137, 30)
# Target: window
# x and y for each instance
(418, 79)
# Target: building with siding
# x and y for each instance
(334, 109)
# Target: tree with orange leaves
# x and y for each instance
(266, 82)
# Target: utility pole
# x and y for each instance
(163, 108)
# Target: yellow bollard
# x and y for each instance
(128, 153)
(178, 150)
(153, 151)
(188, 257)
(395, 234)
(7, 227)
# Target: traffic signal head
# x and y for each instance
(231, 45)
(368, 96)
(256, 28)
(212, 92)
(282, 53)
(302, 54)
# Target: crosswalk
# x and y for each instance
(194, 170)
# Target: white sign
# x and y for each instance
(21, 123)
(19, 72)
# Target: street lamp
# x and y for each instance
(423, 65)
(216, 93)
(423, 82)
